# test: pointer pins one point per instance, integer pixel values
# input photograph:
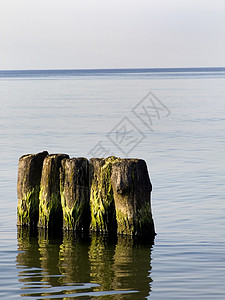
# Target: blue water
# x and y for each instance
(79, 112)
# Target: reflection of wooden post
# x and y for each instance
(74, 190)
(73, 258)
(101, 261)
(132, 267)
(132, 190)
(49, 258)
(101, 195)
(28, 256)
(28, 187)
(50, 209)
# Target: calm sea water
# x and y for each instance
(175, 120)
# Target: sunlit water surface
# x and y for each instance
(71, 112)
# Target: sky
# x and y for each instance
(90, 34)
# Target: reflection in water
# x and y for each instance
(132, 266)
(73, 259)
(75, 267)
(101, 260)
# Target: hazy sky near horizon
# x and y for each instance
(74, 34)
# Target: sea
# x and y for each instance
(174, 119)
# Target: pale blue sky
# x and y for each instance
(71, 34)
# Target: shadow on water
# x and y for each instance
(73, 266)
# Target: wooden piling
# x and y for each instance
(74, 191)
(28, 188)
(50, 208)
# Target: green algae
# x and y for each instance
(125, 225)
(28, 207)
(72, 217)
(74, 191)
(23, 210)
(103, 216)
(142, 224)
(50, 209)
(132, 190)
(28, 188)
(68, 220)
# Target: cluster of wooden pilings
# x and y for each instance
(109, 195)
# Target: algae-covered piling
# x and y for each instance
(28, 188)
(103, 216)
(132, 190)
(50, 208)
(74, 190)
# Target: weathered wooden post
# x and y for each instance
(132, 191)
(28, 187)
(103, 216)
(50, 208)
(74, 190)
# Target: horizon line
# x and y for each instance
(118, 69)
